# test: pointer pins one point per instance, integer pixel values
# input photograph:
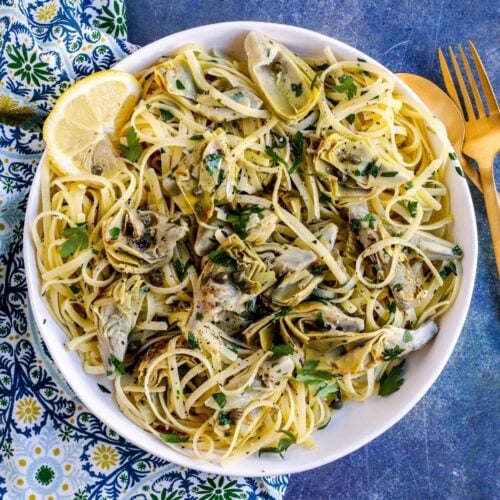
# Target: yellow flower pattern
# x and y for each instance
(28, 410)
(105, 456)
(46, 12)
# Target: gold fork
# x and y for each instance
(482, 129)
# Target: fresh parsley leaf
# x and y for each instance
(320, 321)
(412, 207)
(317, 270)
(325, 198)
(283, 444)
(392, 307)
(222, 257)
(104, 389)
(241, 219)
(77, 239)
(278, 140)
(297, 145)
(282, 350)
(321, 67)
(350, 118)
(452, 156)
(356, 223)
(220, 399)
(133, 150)
(393, 353)
(181, 269)
(451, 268)
(370, 169)
(281, 314)
(166, 115)
(297, 88)
(274, 156)
(457, 251)
(192, 342)
(398, 287)
(392, 173)
(391, 382)
(328, 390)
(313, 83)
(460, 172)
(409, 184)
(174, 438)
(346, 86)
(212, 162)
(199, 316)
(114, 232)
(119, 366)
(224, 419)
(179, 85)
(74, 289)
(196, 137)
(318, 378)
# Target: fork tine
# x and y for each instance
(485, 82)
(448, 80)
(463, 88)
(472, 82)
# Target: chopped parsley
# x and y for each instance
(114, 232)
(409, 184)
(392, 173)
(319, 269)
(181, 269)
(346, 86)
(393, 353)
(133, 150)
(350, 118)
(318, 378)
(74, 289)
(412, 207)
(119, 366)
(392, 307)
(325, 198)
(199, 316)
(320, 321)
(212, 162)
(278, 140)
(398, 287)
(281, 314)
(220, 399)
(447, 270)
(460, 172)
(297, 145)
(241, 219)
(370, 169)
(166, 115)
(192, 342)
(77, 239)
(356, 223)
(283, 444)
(407, 337)
(282, 350)
(457, 251)
(222, 257)
(297, 88)
(275, 156)
(452, 156)
(224, 419)
(174, 438)
(313, 83)
(104, 389)
(179, 85)
(391, 382)
(196, 137)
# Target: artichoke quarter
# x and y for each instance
(138, 241)
(284, 79)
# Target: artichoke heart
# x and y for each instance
(116, 312)
(358, 352)
(231, 276)
(284, 79)
(174, 76)
(356, 161)
(138, 241)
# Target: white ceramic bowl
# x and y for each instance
(357, 423)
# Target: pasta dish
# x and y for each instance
(261, 241)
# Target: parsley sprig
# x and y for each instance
(346, 86)
(77, 239)
(297, 145)
(133, 150)
(241, 219)
(319, 379)
(391, 382)
(283, 444)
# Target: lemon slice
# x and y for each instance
(87, 118)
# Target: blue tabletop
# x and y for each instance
(447, 446)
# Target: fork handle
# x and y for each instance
(492, 205)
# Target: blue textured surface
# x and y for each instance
(448, 445)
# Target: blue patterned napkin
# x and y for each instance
(50, 445)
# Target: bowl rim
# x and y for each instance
(39, 308)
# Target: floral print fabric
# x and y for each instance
(50, 445)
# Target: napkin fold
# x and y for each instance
(51, 446)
